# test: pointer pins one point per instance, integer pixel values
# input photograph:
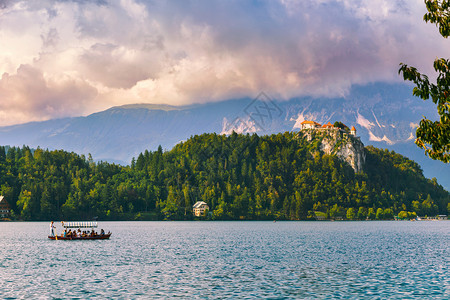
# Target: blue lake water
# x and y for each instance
(234, 260)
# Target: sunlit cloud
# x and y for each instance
(69, 58)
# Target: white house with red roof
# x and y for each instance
(310, 125)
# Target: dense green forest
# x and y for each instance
(248, 177)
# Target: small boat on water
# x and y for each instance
(78, 234)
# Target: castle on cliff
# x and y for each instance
(337, 140)
(314, 125)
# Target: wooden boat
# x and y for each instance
(95, 237)
(92, 235)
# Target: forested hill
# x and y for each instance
(249, 177)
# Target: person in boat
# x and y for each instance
(52, 229)
(102, 232)
(65, 233)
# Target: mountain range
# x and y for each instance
(384, 115)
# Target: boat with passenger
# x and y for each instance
(79, 231)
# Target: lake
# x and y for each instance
(234, 260)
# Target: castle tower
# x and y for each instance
(353, 131)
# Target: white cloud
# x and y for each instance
(171, 52)
(33, 96)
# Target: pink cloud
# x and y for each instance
(64, 58)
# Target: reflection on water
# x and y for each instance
(230, 260)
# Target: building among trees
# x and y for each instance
(199, 208)
(5, 209)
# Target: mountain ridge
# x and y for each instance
(165, 107)
(385, 115)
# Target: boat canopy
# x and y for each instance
(79, 224)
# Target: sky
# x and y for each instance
(61, 58)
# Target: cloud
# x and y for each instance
(179, 52)
(31, 96)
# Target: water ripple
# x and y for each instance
(230, 260)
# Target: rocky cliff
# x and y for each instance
(336, 142)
